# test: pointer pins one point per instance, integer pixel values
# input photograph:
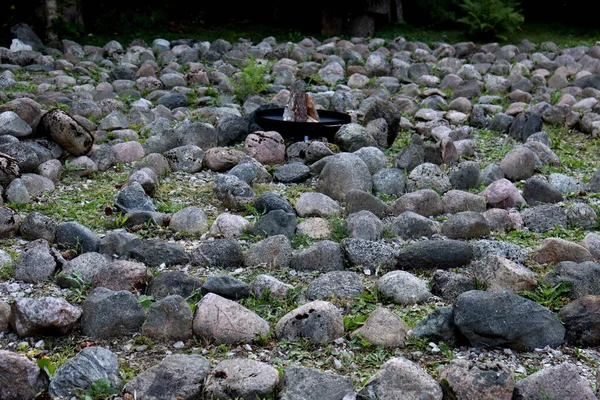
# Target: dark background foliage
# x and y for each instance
(122, 17)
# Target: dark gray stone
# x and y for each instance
(173, 283)
(544, 218)
(303, 383)
(91, 364)
(154, 252)
(438, 326)
(176, 376)
(583, 278)
(538, 190)
(322, 256)
(435, 254)
(225, 286)
(219, 253)
(449, 285)
(410, 225)
(276, 222)
(368, 255)
(133, 197)
(505, 319)
(110, 314)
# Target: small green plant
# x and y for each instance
(339, 229)
(491, 18)
(78, 286)
(552, 297)
(251, 80)
(145, 301)
(47, 365)
(301, 240)
(7, 270)
(99, 390)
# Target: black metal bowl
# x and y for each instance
(329, 123)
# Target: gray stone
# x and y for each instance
(314, 204)
(276, 222)
(173, 283)
(341, 173)
(20, 378)
(304, 383)
(212, 321)
(225, 286)
(109, 314)
(133, 197)
(81, 270)
(241, 379)
(383, 328)
(324, 256)
(45, 316)
(435, 254)
(582, 277)
(501, 274)
(364, 225)
(465, 225)
(218, 253)
(272, 252)
(426, 202)
(10, 221)
(176, 376)
(66, 131)
(337, 284)
(317, 321)
(449, 285)
(403, 288)
(80, 372)
(410, 225)
(389, 181)
(154, 252)
(364, 255)
(36, 263)
(544, 218)
(476, 380)
(557, 382)
(400, 379)
(170, 319)
(505, 319)
(438, 326)
(233, 193)
(118, 242)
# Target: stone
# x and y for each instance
(449, 285)
(502, 194)
(45, 316)
(190, 220)
(518, 164)
(555, 250)
(465, 225)
(264, 284)
(10, 222)
(241, 378)
(173, 283)
(232, 192)
(228, 225)
(122, 275)
(499, 274)
(109, 314)
(187, 158)
(226, 286)
(335, 184)
(455, 201)
(537, 190)
(154, 252)
(80, 372)
(561, 381)
(366, 255)
(169, 319)
(133, 197)
(364, 225)
(399, 378)
(66, 131)
(383, 328)
(276, 222)
(81, 270)
(435, 254)
(324, 256)
(403, 288)
(218, 253)
(176, 376)
(438, 326)
(505, 319)
(20, 377)
(426, 202)
(478, 380)
(304, 383)
(266, 147)
(336, 284)
(318, 321)
(213, 321)
(314, 204)
(36, 263)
